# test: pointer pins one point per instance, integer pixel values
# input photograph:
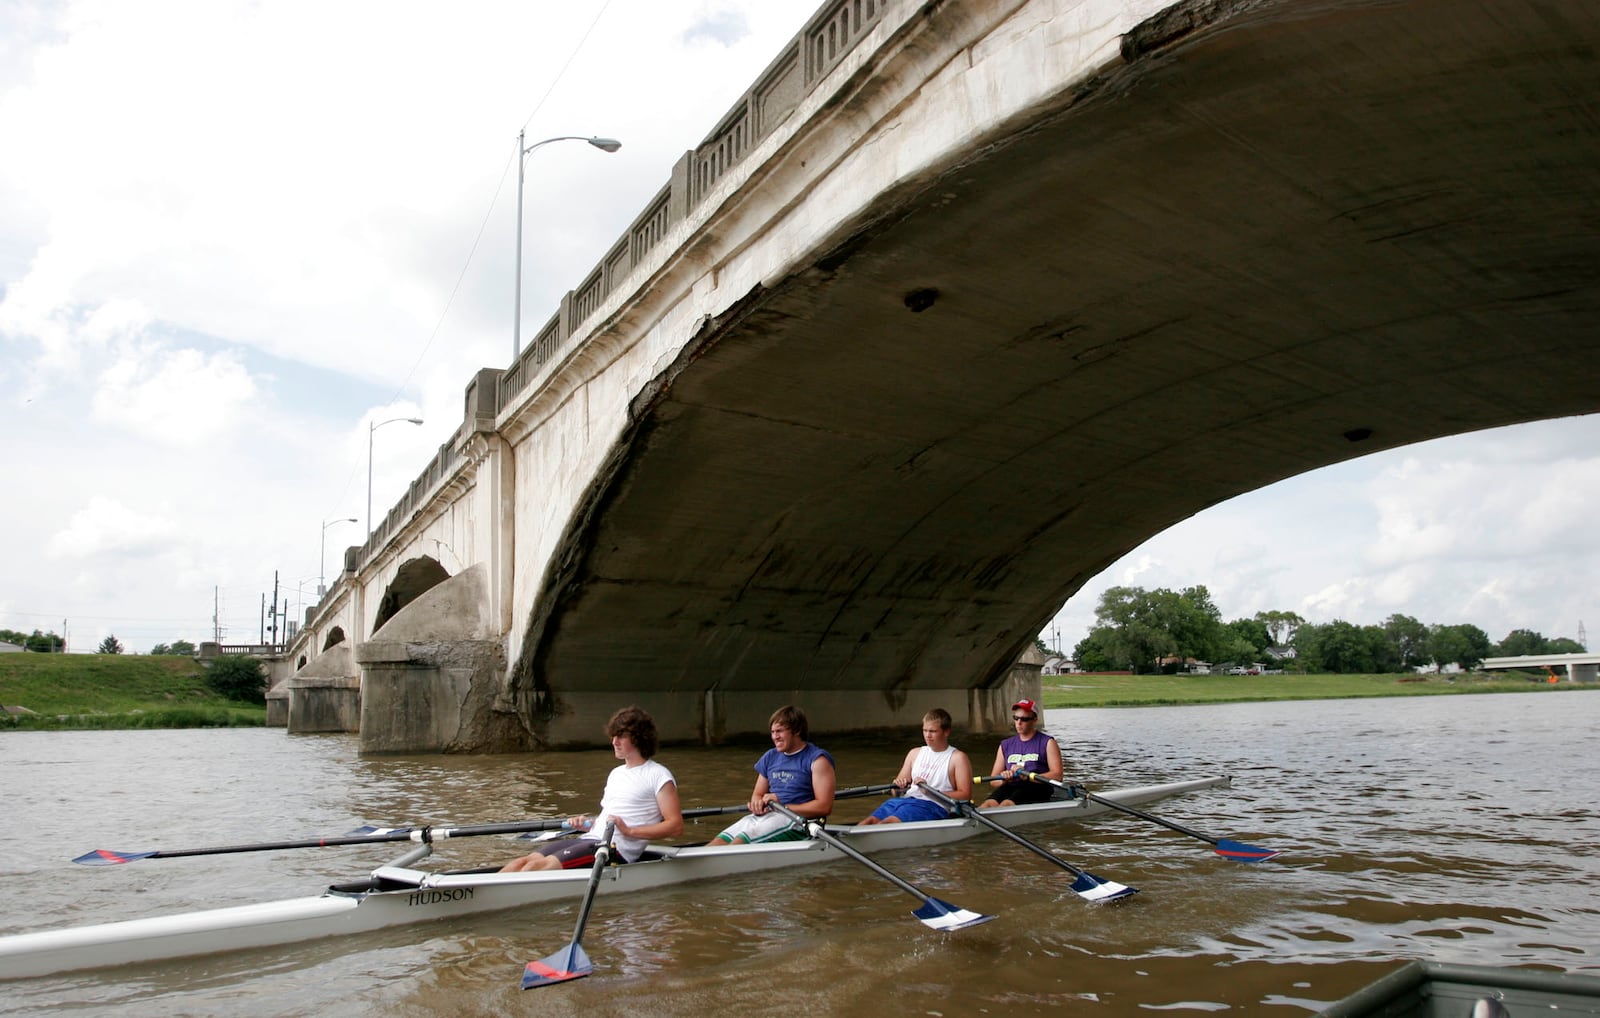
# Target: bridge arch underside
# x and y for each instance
(1313, 235)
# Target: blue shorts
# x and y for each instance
(909, 809)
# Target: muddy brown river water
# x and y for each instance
(1461, 828)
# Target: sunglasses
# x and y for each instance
(1024, 717)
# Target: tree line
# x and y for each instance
(50, 643)
(1146, 631)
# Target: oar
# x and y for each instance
(934, 914)
(571, 962)
(423, 835)
(1238, 851)
(1087, 886)
(372, 835)
(711, 811)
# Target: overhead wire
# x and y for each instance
(477, 240)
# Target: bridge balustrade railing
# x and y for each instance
(831, 33)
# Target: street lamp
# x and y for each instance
(371, 427)
(604, 145)
(322, 563)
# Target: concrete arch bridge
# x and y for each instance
(960, 303)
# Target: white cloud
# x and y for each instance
(106, 526)
(177, 397)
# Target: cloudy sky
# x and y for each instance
(235, 234)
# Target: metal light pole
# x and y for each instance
(604, 145)
(371, 427)
(322, 561)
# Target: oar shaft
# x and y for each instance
(1141, 814)
(602, 855)
(816, 830)
(968, 809)
(418, 834)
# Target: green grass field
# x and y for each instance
(114, 691)
(1178, 690)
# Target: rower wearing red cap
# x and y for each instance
(1029, 750)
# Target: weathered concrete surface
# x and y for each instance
(1269, 237)
(433, 675)
(325, 695)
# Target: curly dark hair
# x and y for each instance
(792, 718)
(639, 727)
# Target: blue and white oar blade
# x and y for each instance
(941, 915)
(372, 831)
(1092, 888)
(571, 962)
(106, 857)
(1238, 851)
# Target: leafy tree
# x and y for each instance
(1091, 653)
(1408, 640)
(1281, 626)
(1519, 642)
(1563, 645)
(1246, 640)
(183, 647)
(1135, 628)
(110, 645)
(43, 643)
(1465, 645)
(238, 677)
(160, 648)
(1344, 647)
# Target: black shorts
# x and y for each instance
(570, 852)
(1021, 792)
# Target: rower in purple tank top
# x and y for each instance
(1027, 751)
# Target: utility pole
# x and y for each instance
(216, 607)
(275, 615)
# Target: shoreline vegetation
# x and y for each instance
(1103, 689)
(66, 692)
(74, 692)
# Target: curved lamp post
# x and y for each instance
(604, 145)
(322, 562)
(371, 427)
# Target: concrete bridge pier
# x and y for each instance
(325, 695)
(432, 676)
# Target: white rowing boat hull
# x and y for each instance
(404, 895)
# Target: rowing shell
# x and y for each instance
(398, 894)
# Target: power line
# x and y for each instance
(483, 226)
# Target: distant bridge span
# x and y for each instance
(963, 302)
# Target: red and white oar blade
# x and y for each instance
(1092, 888)
(571, 962)
(106, 857)
(1238, 851)
(943, 916)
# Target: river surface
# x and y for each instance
(1458, 828)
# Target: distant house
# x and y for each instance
(1058, 665)
(10, 648)
(1281, 653)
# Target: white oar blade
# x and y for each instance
(943, 916)
(571, 962)
(1091, 888)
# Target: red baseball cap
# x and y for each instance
(1027, 705)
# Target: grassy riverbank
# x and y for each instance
(1179, 690)
(67, 691)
